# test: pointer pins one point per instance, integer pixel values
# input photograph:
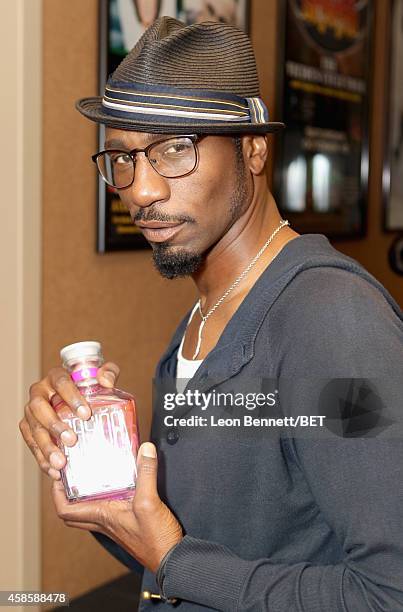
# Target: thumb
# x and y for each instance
(108, 374)
(147, 466)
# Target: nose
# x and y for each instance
(148, 186)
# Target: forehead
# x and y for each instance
(131, 139)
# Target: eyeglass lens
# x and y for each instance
(171, 158)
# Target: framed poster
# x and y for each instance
(321, 173)
(235, 12)
(393, 158)
(122, 22)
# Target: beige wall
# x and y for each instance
(20, 163)
(117, 298)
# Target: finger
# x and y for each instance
(59, 497)
(63, 509)
(108, 374)
(59, 380)
(84, 515)
(54, 474)
(86, 526)
(54, 457)
(32, 445)
(147, 467)
(45, 414)
(36, 451)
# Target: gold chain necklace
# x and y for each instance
(234, 284)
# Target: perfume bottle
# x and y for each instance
(102, 463)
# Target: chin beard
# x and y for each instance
(172, 264)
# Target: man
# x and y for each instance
(242, 518)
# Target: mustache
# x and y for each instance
(156, 215)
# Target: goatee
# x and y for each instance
(175, 264)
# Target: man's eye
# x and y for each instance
(178, 147)
(121, 159)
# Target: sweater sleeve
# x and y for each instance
(358, 486)
(343, 330)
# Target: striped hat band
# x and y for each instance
(170, 104)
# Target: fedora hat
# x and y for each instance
(177, 78)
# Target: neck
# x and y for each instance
(236, 249)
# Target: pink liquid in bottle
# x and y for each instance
(102, 464)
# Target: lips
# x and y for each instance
(156, 224)
(157, 231)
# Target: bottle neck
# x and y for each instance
(84, 372)
(85, 377)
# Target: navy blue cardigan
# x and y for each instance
(279, 520)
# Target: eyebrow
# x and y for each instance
(149, 138)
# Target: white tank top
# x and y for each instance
(185, 368)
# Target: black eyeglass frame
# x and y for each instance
(193, 137)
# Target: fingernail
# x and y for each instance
(67, 437)
(54, 473)
(83, 412)
(56, 459)
(148, 450)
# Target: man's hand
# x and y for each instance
(144, 525)
(41, 426)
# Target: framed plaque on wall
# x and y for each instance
(321, 173)
(122, 22)
(393, 158)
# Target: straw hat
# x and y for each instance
(178, 79)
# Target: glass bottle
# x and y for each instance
(102, 463)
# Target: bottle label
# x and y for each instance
(106, 424)
(84, 374)
(102, 460)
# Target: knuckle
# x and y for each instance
(143, 506)
(38, 455)
(61, 382)
(37, 428)
(44, 465)
(102, 516)
(77, 401)
(54, 373)
(36, 451)
(36, 403)
(147, 468)
(34, 388)
(112, 367)
(61, 515)
(23, 425)
(50, 448)
(57, 427)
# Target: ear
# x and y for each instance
(255, 152)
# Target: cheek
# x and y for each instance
(203, 200)
(124, 197)
(208, 189)
(208, 203)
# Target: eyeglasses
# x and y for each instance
(171, 157)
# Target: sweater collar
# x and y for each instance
(235, 347)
